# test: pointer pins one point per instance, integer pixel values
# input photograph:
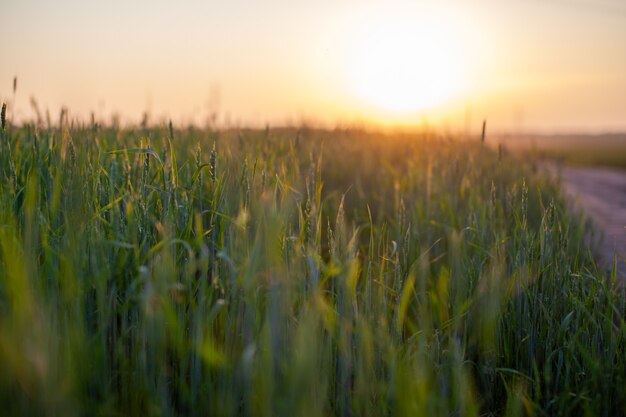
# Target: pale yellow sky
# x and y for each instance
(552, 65)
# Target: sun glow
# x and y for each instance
(401, 61)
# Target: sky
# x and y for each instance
(524, 65)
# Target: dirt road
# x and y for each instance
(601, 193)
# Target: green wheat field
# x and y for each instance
(294, 272)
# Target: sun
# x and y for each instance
(402, 61)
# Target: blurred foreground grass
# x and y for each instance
(294, 273)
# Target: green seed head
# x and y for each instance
(213, 163)
(198, 156)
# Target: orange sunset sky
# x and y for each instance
(532, 65)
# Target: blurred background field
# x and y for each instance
(597, 150)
